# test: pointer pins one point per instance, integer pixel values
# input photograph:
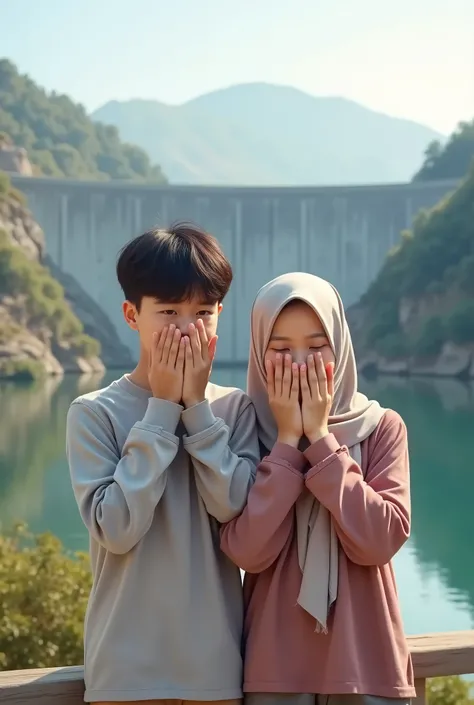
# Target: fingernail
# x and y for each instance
(320, 356)
(288, 358)
(278, 357)
(295, 366)
(303, 367)
(310, 358)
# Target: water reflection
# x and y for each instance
(440, 419)
(435, 570)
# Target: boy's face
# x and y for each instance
(154, 315)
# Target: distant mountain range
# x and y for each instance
(261, 134)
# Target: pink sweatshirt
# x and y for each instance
(365, 650)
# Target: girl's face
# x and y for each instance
(299, 332)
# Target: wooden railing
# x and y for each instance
(449, 654)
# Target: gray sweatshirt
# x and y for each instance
(153, 483)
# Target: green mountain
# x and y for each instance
(261, 134)
(60, 138)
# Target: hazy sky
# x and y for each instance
(410, 58)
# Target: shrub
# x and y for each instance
(393, 346)
(430, 340)
(26, 369)
(86, 346)
(448, 690)
(44, 593)
(460, 323)
(4, 183)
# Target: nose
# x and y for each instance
(299, 356)
(183, 325)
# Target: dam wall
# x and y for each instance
(340, 233)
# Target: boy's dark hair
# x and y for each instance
(173, 265)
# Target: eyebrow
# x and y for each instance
(310, 336)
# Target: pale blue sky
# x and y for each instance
(410, 58)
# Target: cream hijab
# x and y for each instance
(353, 418)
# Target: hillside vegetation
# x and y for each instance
(261, 134)
(424, 294)
(37, 325)
(449, 161)
(60, 138)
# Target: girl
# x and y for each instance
(329, 509)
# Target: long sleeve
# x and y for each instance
(224, 462)
(371, 515)
(117, 494)
(255, 539)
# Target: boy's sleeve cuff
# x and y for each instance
(198, 418)
(162, 413)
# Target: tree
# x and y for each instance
(451, 161)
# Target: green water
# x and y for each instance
(435, 570)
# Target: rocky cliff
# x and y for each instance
(48, 323)
(417, 318)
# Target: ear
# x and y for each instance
(219, 309)
(130, 314)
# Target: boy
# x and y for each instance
(158, 460)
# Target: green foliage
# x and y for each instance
(86, 346)
(429, 341)
(448, 690)
(26, 370)
(393, 346)
(460, 323)
(44, 593)
(451, 161)
(4, 183)
(44, 304)
(61, 140)
(437, 255)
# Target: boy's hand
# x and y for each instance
(165, 372)
(199, 355)
(317, 390)
(283, 395)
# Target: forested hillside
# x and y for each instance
(61, 139)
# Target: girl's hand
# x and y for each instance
(317, 390)
(283, 395)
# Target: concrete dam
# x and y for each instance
(340, 233)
